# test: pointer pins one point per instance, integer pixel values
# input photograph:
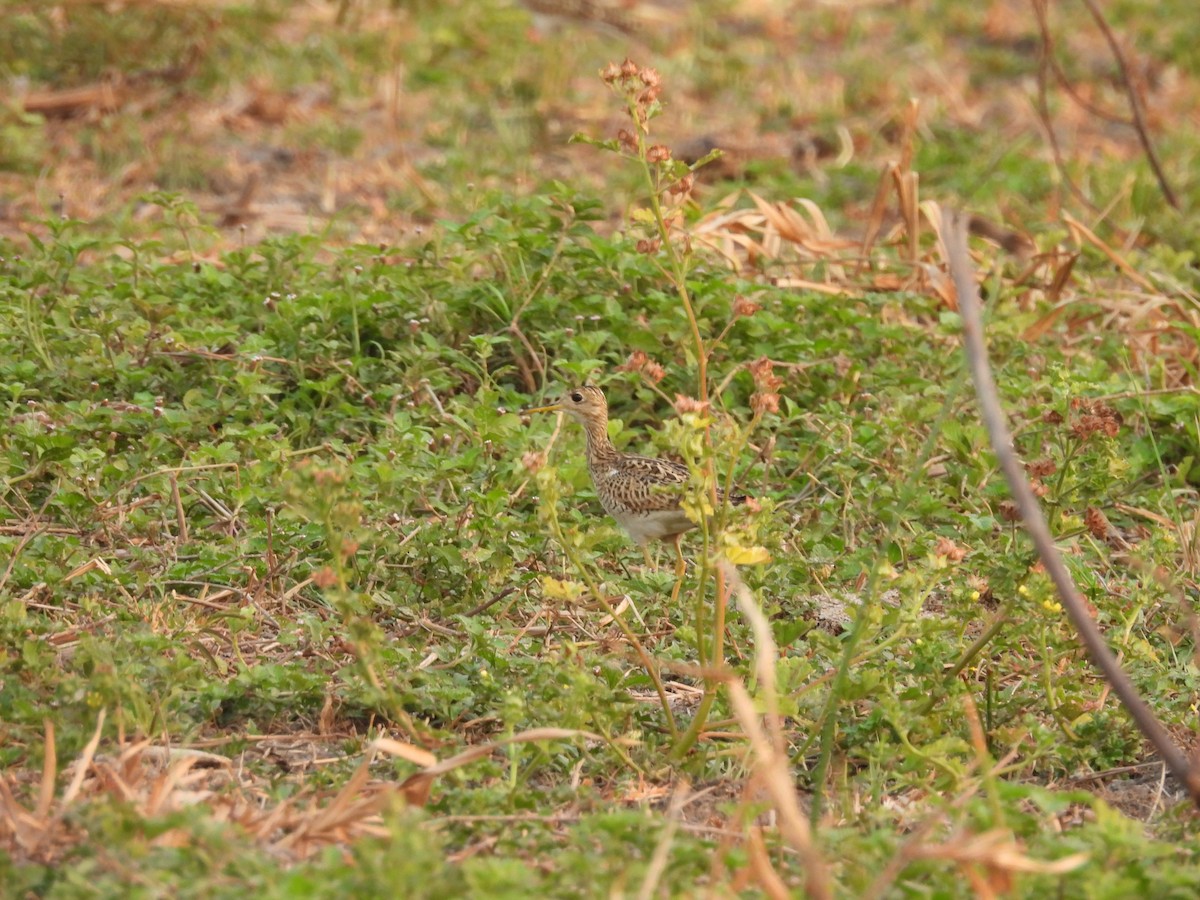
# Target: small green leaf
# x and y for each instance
(580, 138)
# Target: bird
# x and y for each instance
(642, 493)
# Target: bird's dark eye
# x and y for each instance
(577, 397)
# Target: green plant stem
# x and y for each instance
(355, 339)
(827, 720)
(689, 737)
(1055, 508)
(1048, 687)
(965, 660)
(677, 273)
(630, 635)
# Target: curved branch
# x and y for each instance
(954, 237)
(1135, 104)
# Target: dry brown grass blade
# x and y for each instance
(834, 290)
(745, 238)
(32, 829)
(410, 752)
(104, 96)
(787, 227)
(338, 811)
(1084, 235)
(16, 821)
(908, 192)
(814, 237)
(416, 787)
(955, 236)
(1039, 328)
(999, 853)
(1054, 295)
(165, 785)
(875, 218)
(49, 774)
(939, 282)
(771, 759)
(84, 762)
(908, 182)
(346, 808)
(760, 866)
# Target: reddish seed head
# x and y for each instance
(649, 95)
(684, 185)
(950, 550)
(744, 308)
(639, 362)
(1041, 468)
(689, 405)
(762, 404)
(1097, 523)
(765, 379)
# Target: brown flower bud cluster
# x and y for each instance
(1095, 417)
(949, 550)
(765, 398)
(639, 362)
(1097, 523)
(684, 185)
(685, 405)
(1039, 469)
(642, 86)
(744, 308)
(659, 153)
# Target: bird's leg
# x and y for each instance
(646, 556)
(680, 567)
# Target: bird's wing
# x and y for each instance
(651, 485)
(659, 471)
(646, 485)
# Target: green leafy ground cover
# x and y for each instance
(270, 496)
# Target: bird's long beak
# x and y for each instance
(553, 407)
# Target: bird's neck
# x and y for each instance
(599, 447)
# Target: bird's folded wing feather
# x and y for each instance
(653, 484)
(647, 485)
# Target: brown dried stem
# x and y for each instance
(954, 235)
(1135, 103)
(1048, 64)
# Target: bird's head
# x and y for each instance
(585, 404)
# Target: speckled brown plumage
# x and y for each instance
(642, 493)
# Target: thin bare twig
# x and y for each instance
(1135, 103)
(1051, 58)
(1045, 66)
(954, 235)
